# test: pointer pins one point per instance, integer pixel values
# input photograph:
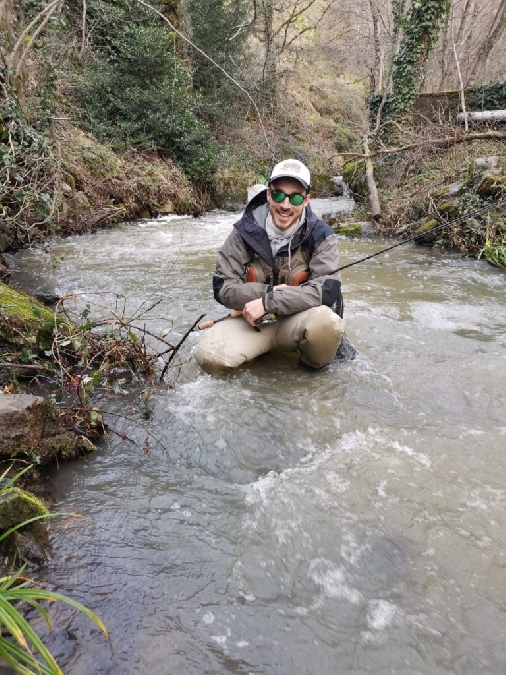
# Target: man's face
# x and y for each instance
(285, 214)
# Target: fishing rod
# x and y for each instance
(436, 228)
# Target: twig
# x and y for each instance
(176, 348)
(27, 366)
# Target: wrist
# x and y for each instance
(268, 300)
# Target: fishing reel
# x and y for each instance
(266, 319)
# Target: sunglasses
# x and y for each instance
(279, 196)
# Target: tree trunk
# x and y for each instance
(376, 74)
(270, 57)
(494, 34)
(421, 28)
(371, 183)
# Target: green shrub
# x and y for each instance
(136, 91)
(214, 30)
(487, 97)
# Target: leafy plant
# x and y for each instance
(488, 96)
(20, 646)
(137, 91)
(494, 250)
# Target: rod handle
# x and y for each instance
(208, 324)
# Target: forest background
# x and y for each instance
(116, 109)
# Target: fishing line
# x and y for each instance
(421, 235)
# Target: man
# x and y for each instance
(280, 261)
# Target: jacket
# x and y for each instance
(314, 248)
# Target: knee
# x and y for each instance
(323, 332)
(229, 344)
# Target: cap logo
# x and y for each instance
(291, 166)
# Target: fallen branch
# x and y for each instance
(435, 142)
(26, 366)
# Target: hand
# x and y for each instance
(253, 310)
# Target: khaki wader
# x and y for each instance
(315, 333)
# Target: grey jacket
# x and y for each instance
(314, 247)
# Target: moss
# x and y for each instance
(491, 184)
(65, 446)
(23, 319)
(99, 159)
(322, 184)
(448, 208)
(441, 192)
(69, 179)
(354, 176)
(349, 229)
(426, 226)
(15, 304)
(345, 139)
(231, 184)
(17, 506)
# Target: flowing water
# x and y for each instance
(287, 522)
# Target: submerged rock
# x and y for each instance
(66, 446)
(17, 506)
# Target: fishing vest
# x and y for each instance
(298, 272)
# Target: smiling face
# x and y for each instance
(285, 215)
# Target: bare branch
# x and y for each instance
(44, 15)
(239, 28)
(446, 141)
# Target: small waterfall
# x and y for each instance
(341, 187)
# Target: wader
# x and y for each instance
(315, 333)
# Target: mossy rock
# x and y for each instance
(18, 506)
(493, 183)
(322, 184)
(23, 319)
(449, 209)
(426, 226)
(66, 446)
(449, 190)
(349, 229)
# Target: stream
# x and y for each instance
(279, 521)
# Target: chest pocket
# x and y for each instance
(294, 275)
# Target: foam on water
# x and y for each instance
(380, 614)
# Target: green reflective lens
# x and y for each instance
(295, 198)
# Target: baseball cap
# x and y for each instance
(291, 168)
